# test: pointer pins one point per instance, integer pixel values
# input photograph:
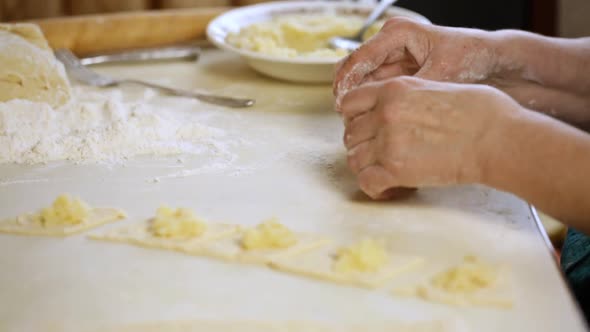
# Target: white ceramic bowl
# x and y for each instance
(297, 69)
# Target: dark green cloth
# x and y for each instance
(575, 262)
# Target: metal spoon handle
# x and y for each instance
(181, 52)
(213, 99)
(375, 14)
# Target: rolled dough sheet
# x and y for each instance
(439, 325)
(28, 68)
(318, 264)
(26, 225)
(140, 235)
(230, 249)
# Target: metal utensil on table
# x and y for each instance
(352, 43)
(179, 52)
(83, 74)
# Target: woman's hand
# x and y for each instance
(409, 132)
(544, 74)
(406, 47)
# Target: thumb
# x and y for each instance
(429, 71)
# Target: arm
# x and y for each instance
(546, 163)
(553, 62)
(546, 74)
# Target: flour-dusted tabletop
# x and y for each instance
(282, 158)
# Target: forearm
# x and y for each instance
(551, 62)
(546, 163)
(549, 75)
(568, 107)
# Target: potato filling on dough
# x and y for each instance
(268, 235)
(65, 210)
(471, 276)
(176, 223)
(367, 255)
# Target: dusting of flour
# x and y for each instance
(103, 126)
(353, 79)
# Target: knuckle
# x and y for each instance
(401, 23)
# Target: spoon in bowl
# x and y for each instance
(352, 43)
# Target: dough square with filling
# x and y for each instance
(27, 225)
(230, 249)
(499, 295)
(140, 235)
(318, 264)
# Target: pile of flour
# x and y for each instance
(105, 126)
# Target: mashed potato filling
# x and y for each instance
(471, 276)
(65, 210)
(176, 223)
(366, 255)
(268, 235)
(300, 35)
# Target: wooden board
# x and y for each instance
(81, 7)
(110, 32)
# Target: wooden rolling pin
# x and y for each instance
(111, 32)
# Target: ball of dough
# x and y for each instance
(28, 68)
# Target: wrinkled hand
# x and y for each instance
(406, 47)
(409, 132)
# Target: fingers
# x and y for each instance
(361, 156)
(344, 77)
(360, 129)
(375, 181)
(359, 101)
(354, 68)
(388, 46)
(386, 71)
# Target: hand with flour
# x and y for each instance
(411, 132)
(528, 67)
